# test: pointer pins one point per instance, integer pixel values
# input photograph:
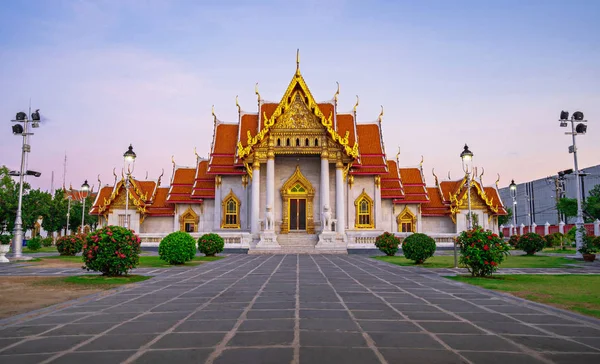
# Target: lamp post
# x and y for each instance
(84, 188)
(467, 157)
(68, 213)
(129, 158)
(581, 128)
(17, 129)
(513, 194)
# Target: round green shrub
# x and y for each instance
(210, 244)
(554, 240)
(177, 248)
(70, 244)
(47, 242)
(387, 243)
(34, 244)
(5, 239)
(531, 243)
(513, 240)
(481, 251)
(112, 250)
(418, 247)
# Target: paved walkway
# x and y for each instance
(301, 309)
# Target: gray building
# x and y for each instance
(536, 200)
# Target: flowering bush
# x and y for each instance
(210, 244)
(177, 248)
(418, 247)
(513, 240)
(387, 243)
(34, 244)
(481, 251)
(531, 243)
(112, 250)
(70, 244)
(47, 242)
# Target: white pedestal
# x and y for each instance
(331, 241)
(3, 250)
(268, 242)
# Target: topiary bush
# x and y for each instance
(70, 244)
(177, 248)
(418, 247)
(387, 243)
(210, 244)
(34, 244)
(47, 242)
(481, 251)
(112, 250)
(513, 240)
(531, 243)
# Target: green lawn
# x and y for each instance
(92, 281)
(50, 249)
(512, 261)
(580, 293)
(559, 251)
(145, 261)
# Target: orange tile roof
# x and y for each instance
(181, 185)
(204, 185)
(492, 193)
(224, 149)
(391, 187)
(449, 187)
(345, 123)
(249, 123)
(267, 108)
(372, 156)
(435, 206)
(159, 206)
(411, 176)
(328, 109)
(102, 195)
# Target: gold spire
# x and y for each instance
(481, 176)
(380, 114)
(256, 92)
(297, 61)
(337, 92)
(356, 105)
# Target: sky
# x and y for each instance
(107, 73)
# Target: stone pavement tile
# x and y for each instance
(265, 338)
(179, 356)
(430, 316)
(358, 297)
(337, 356)
(128, 308)
(321, 305)
(83, 309)
(486, 317)
(56, 319)
(188, 340)
(543, 343)
(499, 358)
(479, 343)
(410, 307)
(213, 315)
(25, 330)
(177, 307)
(571, 330)
(450, 327)
(324, 314)
(226, 306)
(574, 358)
(367, 306)
(6, 342)
(388, 314)
(161, 316)
(256, 356)
(24, 359)
(46, 345)
(110, 317)
(407, 355)
(404, 340)
(273, 314)
(118, 342)
(591, 341)
(510, 328)
(205, 325)
(268, 325)
(96, 357)
(513, 309)
(388, 326)
(488, 302)
(328, 325)
(461, 307)
(143, 327)
(81, 329)
(323, 338)
(287, 305)
(543, 319)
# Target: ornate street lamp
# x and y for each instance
(129, 158)
(84, 192)
(513, 194)
(467, 158)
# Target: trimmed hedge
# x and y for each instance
(418, 247)
(210, 244)
(177, 248)
(112, 250)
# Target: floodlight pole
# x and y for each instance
(18, 232)
(579, 221)
(68, 214)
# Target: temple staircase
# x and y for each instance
(298, 243)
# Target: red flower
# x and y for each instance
(494, 264)
(486, 262)
(490, 237)
(472, 245)
(486, 247)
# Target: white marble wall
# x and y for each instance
(360, 182)
(438, 224)
(134, 216)
(156, 224)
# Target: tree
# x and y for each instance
(76, 208)
(36, 203)
(56, 218)
(567, 207)
(504, 219)
(592, 203)
(9, 199)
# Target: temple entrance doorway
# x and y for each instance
(297, 214)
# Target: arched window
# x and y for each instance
(364, 212)
(406, 221)
(188, 221)
(231, 211)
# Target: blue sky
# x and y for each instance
(492, 74)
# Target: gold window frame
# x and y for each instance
(230, 197)
(364, 197)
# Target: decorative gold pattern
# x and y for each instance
(286, 194)
(245, 180)
(350, 181)
(189, 216)
(231, 211)
(218, 181)
(407, 218)
(377, 181)
(363, 206)
(460, 202)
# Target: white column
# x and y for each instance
(377, 203)
(255, 197)
(270, 186)
(561, 227)
(339, 198)
(597, 227)
(217, 209)
(546, 228)
(324, 190)
(521, 229)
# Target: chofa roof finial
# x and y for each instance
(356, 105)
(498, 180)
(435, 176)
(256, 92)
(337, 92)
(237, 103)
(380, 115)
(298, 61)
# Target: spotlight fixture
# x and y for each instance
(578, 115)
(564, 115)
(17, 129)
(581, 128)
